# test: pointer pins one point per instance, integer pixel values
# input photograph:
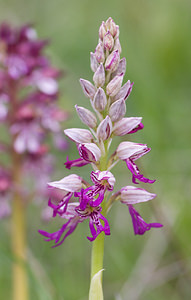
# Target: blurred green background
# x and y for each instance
(155, 38)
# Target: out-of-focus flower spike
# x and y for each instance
(117, 110)
(102, 30)
(112, 61)
(5, 208)
(99, 76)
(99, 53)
(89, 152)
(93, 62)
(111, 26)
(60, 142)
(86, 116)
(100, 100)
(47, 85)
(79, 135)
(108, 41)
(124, 92)
(134, 195)
(121, 68)
(88, 88)
(104, 129)
(126, 125)
(114, 85)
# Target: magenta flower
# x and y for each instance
(129, 152)
(79, 162)
(131, 195)
(139, 225)
(61, 191)
(76, 203)
(107, 95)
(77, 213)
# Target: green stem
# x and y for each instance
(20, 280)
(97, 254)
(98, 244)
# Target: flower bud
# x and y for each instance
(89, 152)
(114, 85)
(70, 183)
(111, 26)
(99, 76)
(93, 62)
(121, 68)
(100, 100)
(104, 129)
(108, 41)
(102, 30)
(124, 92)
(88, 88)
(117, 45)
(130, 149)
(99, 53)
(117, 31)
(133, 195)
(117, 110)
(112, 61)
(126, 125)
(78, 135)
(86, 116)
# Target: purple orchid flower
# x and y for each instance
(77, 213)
(129, 152)
(139, 225)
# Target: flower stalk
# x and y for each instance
(28, 111)
(19, 248)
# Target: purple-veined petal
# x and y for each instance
(70, 183)
(104, 129)
(126, 126)
(79, 135)
(139, 225)
(133, 195)
(131, 150)
(136, 173)
(89, 152)
(105, 178)
(79, 162)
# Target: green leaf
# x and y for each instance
(96, 292)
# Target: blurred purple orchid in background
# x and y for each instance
(28, 106)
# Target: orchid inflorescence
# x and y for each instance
(72, 198)
(28, 112)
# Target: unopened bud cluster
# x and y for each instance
(107, 94)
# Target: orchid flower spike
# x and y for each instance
(83, 201)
